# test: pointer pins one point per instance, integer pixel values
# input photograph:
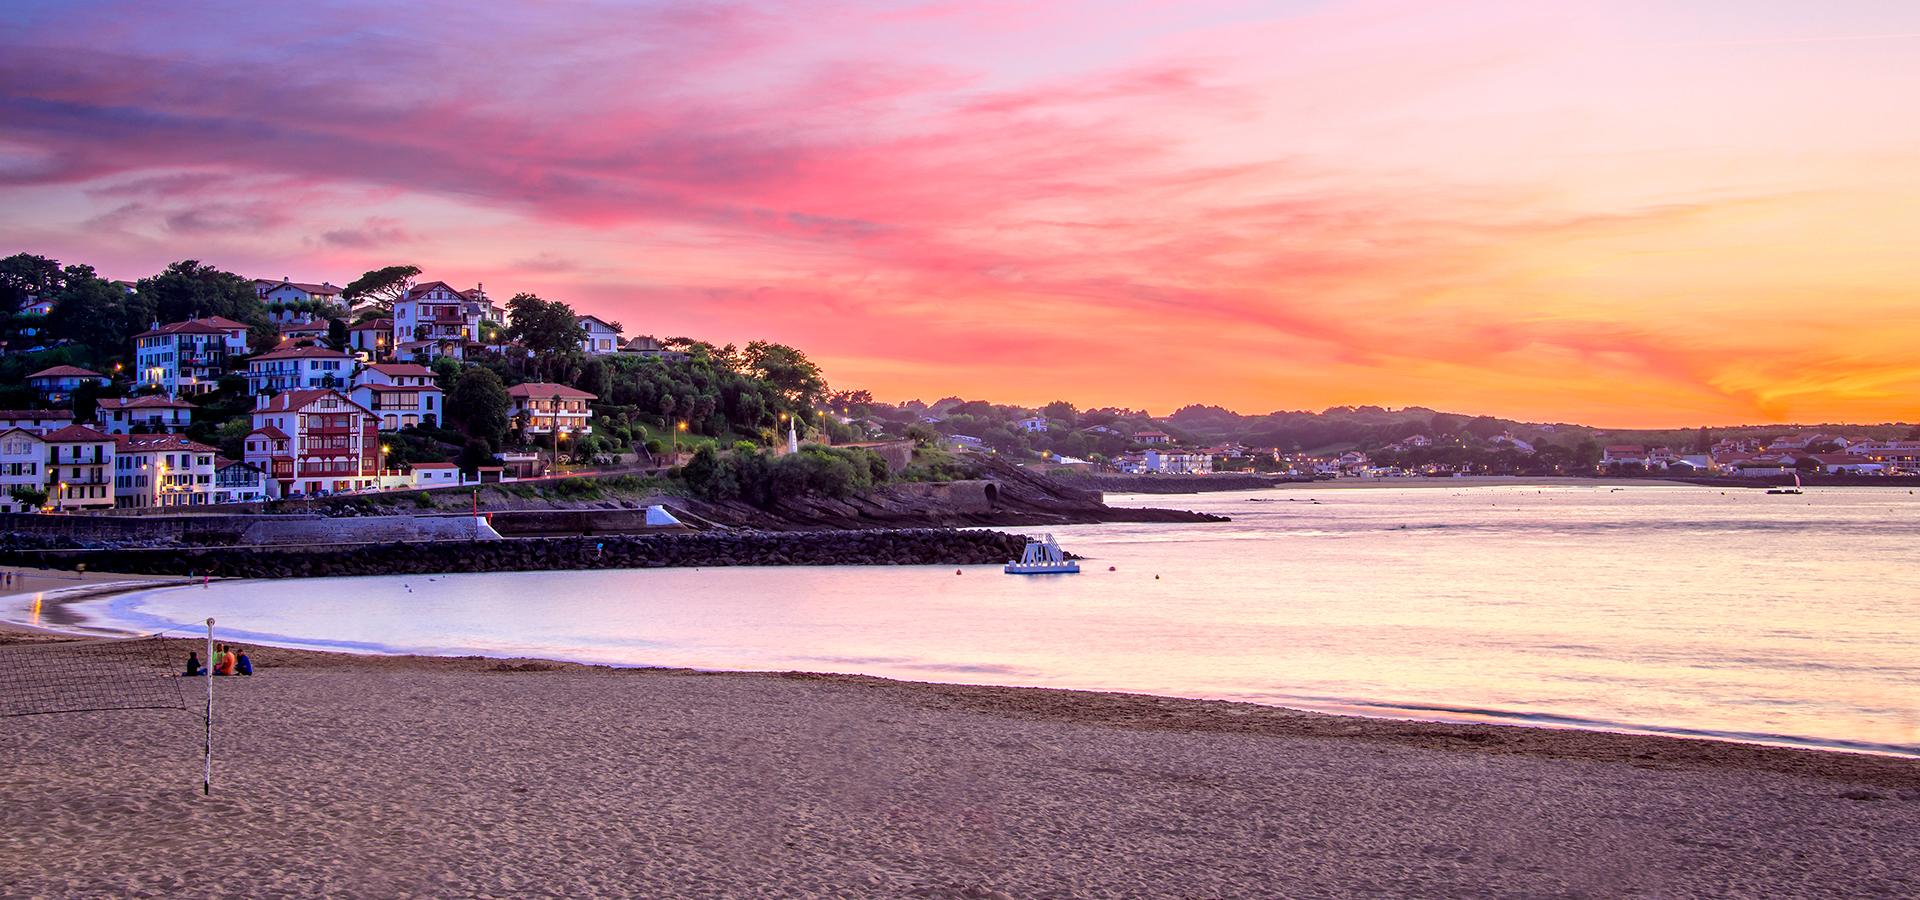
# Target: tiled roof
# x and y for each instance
(137, 443)
(399, 370)
(269, 431)
(65, 372)
(302, 353)
(37, 413)
(541, 390)
(75, 434)
(154, 401)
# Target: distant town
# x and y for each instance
(197, 387)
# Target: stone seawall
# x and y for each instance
(808, 548)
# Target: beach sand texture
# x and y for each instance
(396, 776)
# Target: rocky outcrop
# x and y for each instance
(816, 548)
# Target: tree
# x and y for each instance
(788, 370)
(86, 401)
(544, 326)
(479, 403)
(1061, 411)
(475, 454)
(337, 336)
(92, 312)
(382, 286)
(188, 289)
(27, 496)
(24, 275)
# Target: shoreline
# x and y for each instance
(61, 624)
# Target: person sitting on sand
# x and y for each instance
(244, 665)
(193, 664)
(227, 662)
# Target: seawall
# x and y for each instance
(916, 546)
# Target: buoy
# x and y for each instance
(1113, 568)
(956, 571)
(1156, 578)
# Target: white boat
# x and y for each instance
(1043, 556)
(1788, 490)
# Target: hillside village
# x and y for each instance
(198, 387)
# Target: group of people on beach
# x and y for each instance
(226, 661)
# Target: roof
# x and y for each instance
(154, 401)
(66, 372)
(37, 414)
(429, 286)
(143, 443)
(405, 388)
(75, 434)
(269, 431)
(542, 390)
(225, 463)
(309, 288)
(372, 325)
(583, 320)
(302, 353)
(32, 434)
(643, 344)
(435, 465)
(288, 401)
(398, 370)
(209, 325)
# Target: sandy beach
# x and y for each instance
(397, 776)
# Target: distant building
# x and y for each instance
(374, 337)
(38, 421)
(161, 470)
(1152, 437)
(23, 467)
(188, 357)
(603, 337)
(310, 330)
(434, 320)
(79, 468)
(543, 408)
(286, 291)
(647, 347)
(435, 474)
(400, 395)
(1623, 455)
(240, 482)
(1033, 424)
(299, 368)
(155, 413)
(58, 383)
(1177, 462)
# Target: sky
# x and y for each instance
(1620, 213)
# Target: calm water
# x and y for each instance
(1667, 609)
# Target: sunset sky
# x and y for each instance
(1622, 213)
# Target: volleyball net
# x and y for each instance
(92, 676)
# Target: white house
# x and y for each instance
(435, 320)
(374, 337)
(1849, 464)
(315, 442)
(401, 395)
(79, 468)
(1152, 437)
(287, 291)
(38, 421)
(436, 474)
(155, 413)
(23, 465)
(59, 382)
(299, 368)
(187, 357)
(541, 408)
(603, 337)
(1177, 462)
(1623, 455)
(239, 482)
(161, 470)
(1033, 424)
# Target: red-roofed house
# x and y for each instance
(120, 415)
(79, 468)
(287, 292)
(435, 474)
(299, 368)
(38, 421)
(1152, 437)
(400, 394)
(187, 357)
(374, 337)
(58, 383)
(541, 408)
(1623, 455)
(161, 470)
(23, 466)
(315, 442)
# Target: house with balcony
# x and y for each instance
(23, 467)
(38, 421)
(1178, 462)
(299, 368)
(374, 337)
(544, 408)
(235, 481)
(79, 468)
(435, 320)
(602, 337)
(401, 395)
(161, 471)
(153, 413)
(313, 442)
(58, 383)
(187, 357)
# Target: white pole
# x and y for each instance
(206, 777)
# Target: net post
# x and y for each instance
(206, 776)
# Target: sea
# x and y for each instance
(1646, 608)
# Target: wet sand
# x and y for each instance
(353, 775)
